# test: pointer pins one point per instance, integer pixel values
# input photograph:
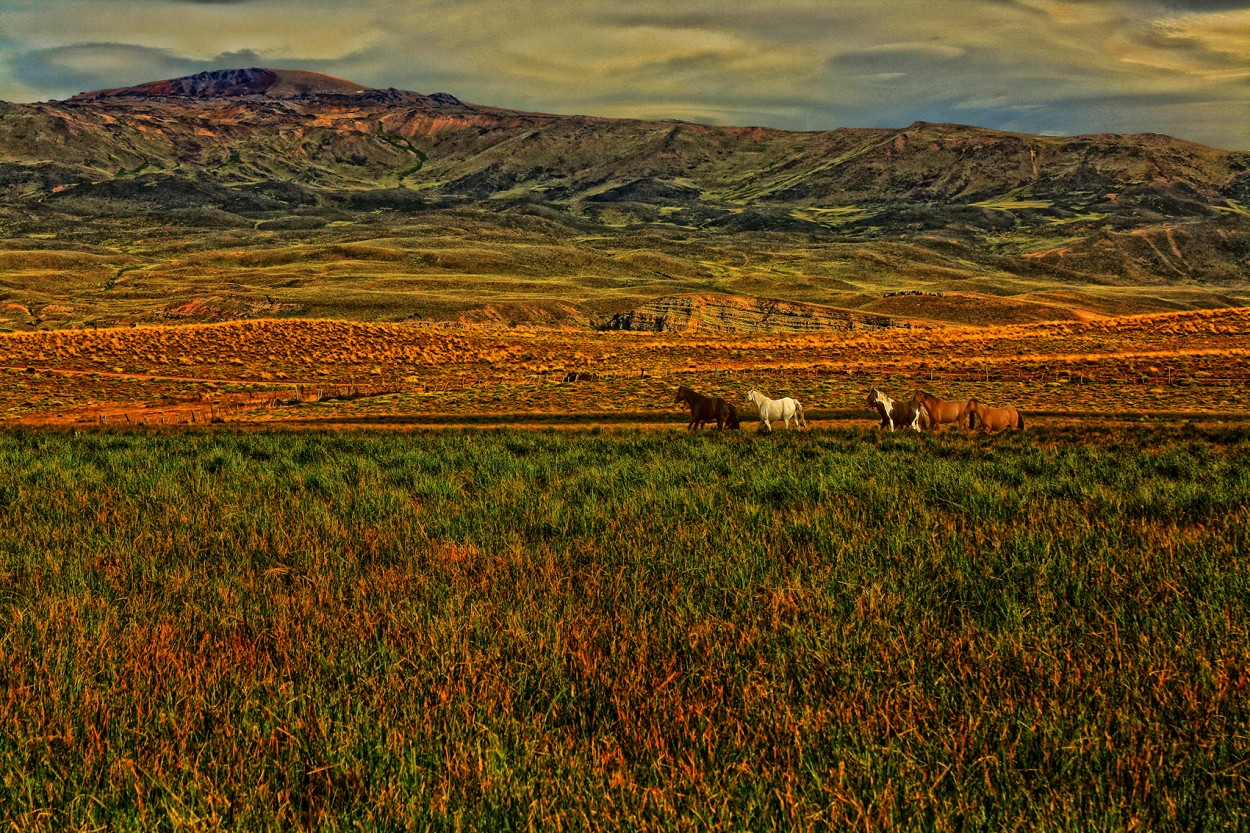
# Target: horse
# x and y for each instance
(894, 413)
(941, 411)
(976, 415)
(770, 409)
(706, 409)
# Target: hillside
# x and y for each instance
(247, 165)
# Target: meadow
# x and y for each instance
(508, 629)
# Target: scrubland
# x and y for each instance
(1195, 363)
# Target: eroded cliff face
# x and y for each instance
(729, 314)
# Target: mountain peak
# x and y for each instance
(231, 83)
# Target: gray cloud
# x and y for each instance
(1031, 65)
(67, 70)
(1206, 5)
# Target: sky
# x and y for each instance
(1059, 67)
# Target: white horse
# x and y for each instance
(904, 414)
(770, 409)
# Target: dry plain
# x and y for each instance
(1186, 365)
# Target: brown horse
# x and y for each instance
(941, 411)
(707, 409)
(897, 413)
(976, 415)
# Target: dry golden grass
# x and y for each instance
(1191, 361)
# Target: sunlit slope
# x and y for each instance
(180, 186)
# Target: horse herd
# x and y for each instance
(922, 411)
(928, 412)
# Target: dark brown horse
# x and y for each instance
(707, 409)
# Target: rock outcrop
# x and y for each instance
(741, 314)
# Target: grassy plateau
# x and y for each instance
(505, 630)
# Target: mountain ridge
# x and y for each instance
(303, 154)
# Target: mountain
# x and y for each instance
(270, 83)
(303, 153)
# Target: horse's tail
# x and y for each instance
(1020, 420)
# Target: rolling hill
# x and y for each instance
(280, 192)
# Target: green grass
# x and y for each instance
(509, 629)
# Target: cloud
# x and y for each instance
(317, 29)
(1206, 5)
(65, 70)
(1032, 65)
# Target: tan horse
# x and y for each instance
(976, 415)
(941, 411)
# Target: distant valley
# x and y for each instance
(271, 193)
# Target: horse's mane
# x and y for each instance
(689, 395)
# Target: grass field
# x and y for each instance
(534, 630)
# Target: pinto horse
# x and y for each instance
(941, 411)
(976, 415)
(897, 412)
(707, 409)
